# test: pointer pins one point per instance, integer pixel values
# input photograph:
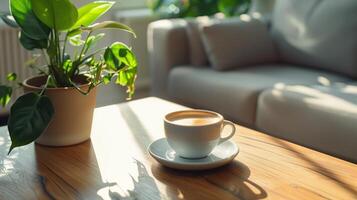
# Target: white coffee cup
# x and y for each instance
(195, 133)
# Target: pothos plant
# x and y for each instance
(49, 26)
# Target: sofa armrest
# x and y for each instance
(168, 47)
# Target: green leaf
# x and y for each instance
(200, 8)
(5, 95)
(107, 78)
(118, 56)
(57, 14)
(233, 7)
(112, 61)
(89, 13)
(74, 32)
(68, 65)
(92, 41)
(109, 25)
(22, 12)
(11, 77)
(9, 20)
(127, 78)
(120, 59)
(76, 40)
(29, 117)
(31, 44)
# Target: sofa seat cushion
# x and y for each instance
(234, 93)
(320, 117)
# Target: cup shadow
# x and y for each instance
(232, 178)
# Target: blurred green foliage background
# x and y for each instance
(194, 8)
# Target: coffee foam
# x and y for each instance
(193, 118)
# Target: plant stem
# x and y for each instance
(84, 46)
(45, 86)
(59, 59)
(97, 51)
(91, 86)
(64, 46)
(98, 72)
(45, 55)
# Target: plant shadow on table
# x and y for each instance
(22, 176)
(87, 177)
(18, 179)
(232, 178)
(74, 171)
(144, 187)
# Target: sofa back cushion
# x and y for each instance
(197, 52)
(317, 33)
(238, 42)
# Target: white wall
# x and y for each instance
(4, 6)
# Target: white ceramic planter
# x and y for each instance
(72, 121)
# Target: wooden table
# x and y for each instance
(115, 164)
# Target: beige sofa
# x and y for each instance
(305, 91)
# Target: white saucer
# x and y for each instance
(221, 155)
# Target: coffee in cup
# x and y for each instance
(195, 133)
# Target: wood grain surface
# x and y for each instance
(115, 164)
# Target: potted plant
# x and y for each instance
(58, 105)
